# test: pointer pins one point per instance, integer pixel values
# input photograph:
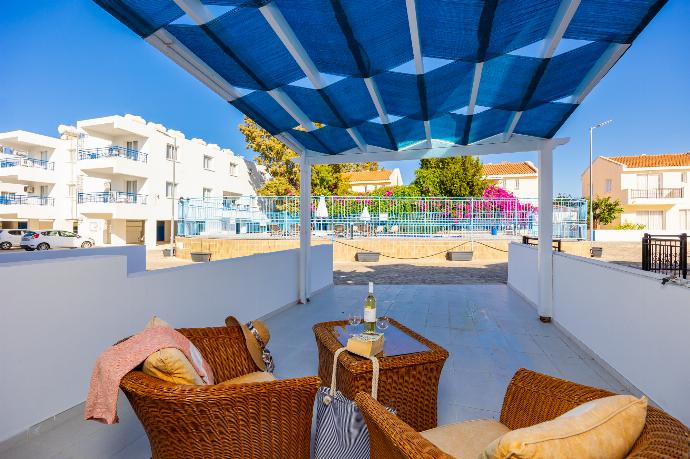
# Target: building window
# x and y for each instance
(233, 169)
(685, 219)
(133, 145)
(651, 219)
(684, 177)
(169, 192)
(206, 193)
(171, 152)
(517, 184)
(609, 185)
(43, 191)
(208, 162)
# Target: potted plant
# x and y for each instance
(202, 256)
(459, 256)
(596, 252)
(367, 256)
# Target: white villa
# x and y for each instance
(111, 178)
(521, 179)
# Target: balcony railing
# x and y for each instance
(113, 151)
(111, 197)
(27, 162)
(657, 193)
(28, 200)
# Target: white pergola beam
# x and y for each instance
(287, 36)
(197, 11)
(564, 15)
(606, 61)
(375, 95)
(477, 78)
(417, 53)
(518, 143)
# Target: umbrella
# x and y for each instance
(365, 214)
(321, 210)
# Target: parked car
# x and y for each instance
(11, 238)
(54, 239)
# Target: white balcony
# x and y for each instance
(108, 161)
(18, 169)
(114, 204)
(27, 207)
(655, 196)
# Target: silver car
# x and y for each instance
(54, 239)
(11, 238)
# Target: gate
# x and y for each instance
(665, 254)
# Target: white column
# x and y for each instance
(304, 230)
(545, 253)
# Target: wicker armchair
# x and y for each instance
(257, 420)
(531, 398)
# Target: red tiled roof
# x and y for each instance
(667, 160)
(521, 168)
(368, 176)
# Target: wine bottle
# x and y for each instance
(370, 311)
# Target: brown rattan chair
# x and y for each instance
(256, 420)
(531, 398)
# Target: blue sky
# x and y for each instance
(68, 60)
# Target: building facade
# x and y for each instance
(366, 181)
(521, 178)
(117, 179)
(653, 189)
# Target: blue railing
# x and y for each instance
(29, 200)
(380, 216)
(27, 162)
(110, 197)
(113, 151)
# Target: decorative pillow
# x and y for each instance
(606, 428)
(170, 364)
(254, 377)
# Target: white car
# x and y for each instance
(11, 238)
(54, 239)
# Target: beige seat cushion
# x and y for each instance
(170, 364)
(603, 428)
(254, 377)
(465, 439)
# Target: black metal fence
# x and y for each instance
(529, 240)
(665, 254)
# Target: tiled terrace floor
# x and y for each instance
(488, 330)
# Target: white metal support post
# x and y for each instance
(545, 250)
(304, 229)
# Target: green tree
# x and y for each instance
(605, 211)
(458, 176)
(277, 158)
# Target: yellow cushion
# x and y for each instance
(254, 377)
(465, 439)
(606, 428)
(170, 364)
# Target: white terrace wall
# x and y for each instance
(136, 255)
(629, 235)
(624, 316)
(61, 313)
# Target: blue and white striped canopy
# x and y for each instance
(336, 76)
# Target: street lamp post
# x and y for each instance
(591, 186)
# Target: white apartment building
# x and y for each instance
(654, 190)
(116, 179)
(521, 178)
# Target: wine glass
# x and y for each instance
(354, 319)
(382, 323)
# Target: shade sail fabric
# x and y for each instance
(370, 89)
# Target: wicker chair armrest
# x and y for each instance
(392, 438)
(533, 397)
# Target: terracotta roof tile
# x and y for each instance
(521, 168)
(368, 176)
(667, 160)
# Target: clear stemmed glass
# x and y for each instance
(354, 319)
(382, 323)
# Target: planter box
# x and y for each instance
(367, 256)
(168, 252)
(459, 256)
(200, 256)
(596, 252)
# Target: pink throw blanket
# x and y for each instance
(116, 361)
